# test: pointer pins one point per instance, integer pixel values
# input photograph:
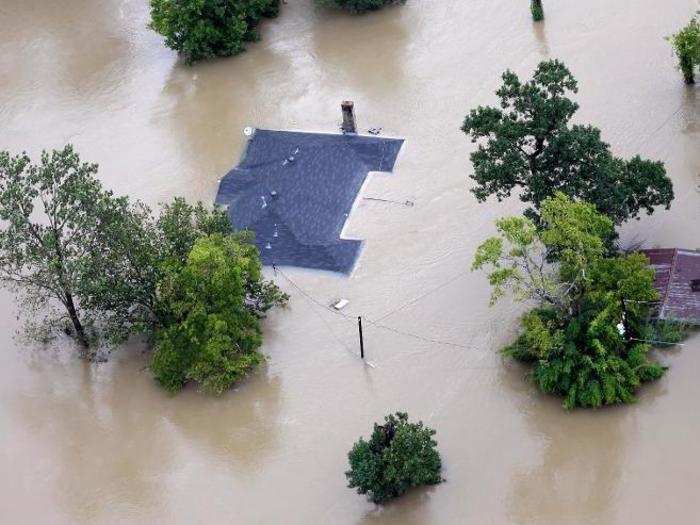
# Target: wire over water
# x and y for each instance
(377, 323)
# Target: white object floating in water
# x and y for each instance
(341, 304)
(264, 204)
(268, 246)
(247, 131)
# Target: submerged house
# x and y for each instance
(295, 191)
(677, 278)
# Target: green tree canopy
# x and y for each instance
(97, 265)
(55, 217)
(399, 455)
(200, 29)
(686, 43)
(143, 251)
(537, 10)
(528, 143)
(210, 335)
(583, 338)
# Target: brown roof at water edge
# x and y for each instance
(675, 270)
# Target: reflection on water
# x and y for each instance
(576, 477)
(367, 62)
(93, 425)
(238, 429)
(540, 31)
(89, 443)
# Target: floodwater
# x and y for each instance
(83, 443)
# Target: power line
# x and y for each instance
(423, 296)
(314, 301)
(417, 336)
(310, 297)
(376, 323)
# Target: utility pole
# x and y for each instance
(362, 341)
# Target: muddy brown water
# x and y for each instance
(84, 443)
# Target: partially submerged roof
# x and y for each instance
(295, 191)
(677, 275)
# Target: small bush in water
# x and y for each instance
(537, 10)
(359, 6)
(399, 455)
(686, 43)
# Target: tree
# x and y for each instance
(686, 43)
(200, 29)
(210, 335)
(144, 251)
(520, 257)
(359, 6)
(399, 455)
(583, 338)
(529, 143)
(55, 214)
(537, 10)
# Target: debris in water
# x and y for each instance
(341, 304)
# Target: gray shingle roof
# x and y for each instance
(295, 191)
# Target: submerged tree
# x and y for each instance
(144, 252)
(359, 6)
(399, 455)
(529, 143)
(56, 219)
(537, 10)
(192, 286)
(200, 29)
(686, 43)
(210, 335)
(103, 268)
(583, 339)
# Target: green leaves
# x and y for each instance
(56, 215)
(686, 44)
(141, 254)
(572, 338)
(211, 335)
(529, 144)
(111, 269)
(201, 29)
(537, 10)
(399, 455)
(520, 258)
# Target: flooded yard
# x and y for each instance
(102, 443)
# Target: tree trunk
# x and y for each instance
(73, 313)
(687, 67)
